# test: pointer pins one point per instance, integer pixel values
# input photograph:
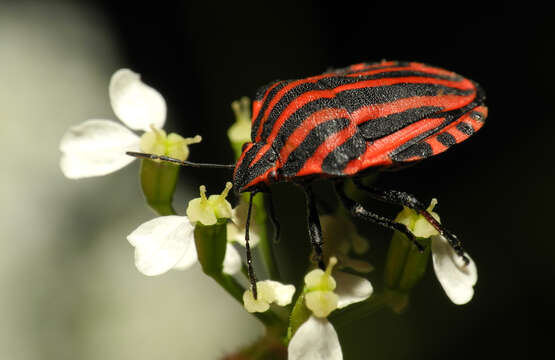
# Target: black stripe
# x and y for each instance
(337, 160)
(377, 128)
(242, 168)
(245, 173)
(306, 149)
(357, 98)
(335, 81)
(446, 139)
(422, 150)
(263, 164)
(465, 128)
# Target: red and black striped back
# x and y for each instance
(346, 120)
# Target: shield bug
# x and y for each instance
(346, 121)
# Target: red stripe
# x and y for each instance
(256, 105)
(431, 70)
(362, 66)
(437, 147)
(317, 118)
(256, 110)
(446, 102)
(377, 153)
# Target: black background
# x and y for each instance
(494, 189)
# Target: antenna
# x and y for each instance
(179, 162)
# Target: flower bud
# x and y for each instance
(240, 132)
(158, 181)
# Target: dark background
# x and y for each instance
(494, 190)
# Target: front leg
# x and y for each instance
(314, 227)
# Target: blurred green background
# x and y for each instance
(69, 288)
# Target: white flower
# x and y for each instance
(97, 147)
(456, 277)
(268, 292)
(168, 242)
(316, 339)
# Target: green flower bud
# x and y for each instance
(158, 181)
(240, 132)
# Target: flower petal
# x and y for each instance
(321, 303)
(136, 104)
(161, 243)
(456, 278)
(315, 339)
(96, 148)
(351, 288)
(280, 294)
(232, 261)
(189, 259)
(252, 305)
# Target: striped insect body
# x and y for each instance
(345, 121)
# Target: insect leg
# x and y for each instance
(252, 276)
(360, 211)
(410, 201)
(273, 218)
(314, 227)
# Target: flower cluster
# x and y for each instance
(208, 231)
(98, 147)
